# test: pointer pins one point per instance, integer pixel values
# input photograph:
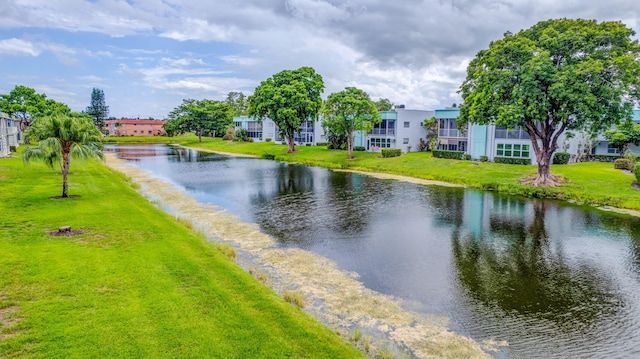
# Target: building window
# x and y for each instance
(405, 141)
(512, 150)
(612, 150)
(514, 134)
(380, 142)
(406, 124)
(238, 124)
(149, 131)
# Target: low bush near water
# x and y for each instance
(294, 297)
(637, 173)
(455, 155)
(268, 156)
(391, 152)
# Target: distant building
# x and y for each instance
(134, 127)
(10, 134)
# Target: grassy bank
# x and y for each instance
(592, 183)
(135, 284)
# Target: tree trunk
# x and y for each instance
(199, 136)
(292, 145)
(350, 146)
(65, 173)
(544, 177)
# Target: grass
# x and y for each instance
(137, 283)
(592, 183)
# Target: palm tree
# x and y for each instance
(62, 137)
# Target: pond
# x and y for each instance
(553, 280)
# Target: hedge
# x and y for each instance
(623, 164)
(484, 158)
(603, 158)
(322, 143)
(391, 152)
(637, 172)
(359, 148)
(456, 155)
(512, 160)
(561, 158)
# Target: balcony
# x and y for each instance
(450, 133)
(383, 131)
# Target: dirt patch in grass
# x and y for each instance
(68, 233)
(60, 197)
(635, 185)
(9, 318)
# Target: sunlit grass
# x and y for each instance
(136, 284)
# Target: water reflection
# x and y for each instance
(553, 280)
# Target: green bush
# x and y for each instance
(391, 152)
(603, 158)
(12, 148)
(227, 137)
(467, 156)
(623, 164)
(242, 135)
(456, 155)
(484, 158)
(322, 143)
(359, 148)
(561, 158)
(637, 173)
(268, 139)
(268, 156)
(512, 160)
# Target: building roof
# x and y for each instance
(136, 122)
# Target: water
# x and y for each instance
(552, 279)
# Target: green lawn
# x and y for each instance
(136, 283)
(591, 183)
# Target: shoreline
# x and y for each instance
(332, 296)
(384, 175)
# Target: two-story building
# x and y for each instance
(134, 127)
(497, 141)
(10, 134)
(266, 130)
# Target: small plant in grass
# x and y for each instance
(294, 297)
(484, 158)
(356, 335)
(187, 223)
(368, 340)
(259, 275)
(268, 156)
(384, 353)
(467, 156)
(227, 250)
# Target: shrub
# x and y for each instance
(359, 148)
(467, 156)
(268, 156)
(391, 152)
(294, 297)
(623, 164)
(227, 137)
(484, 158)
(603, 158)
(637, 173)
(512, 160)
(12, 148)
(307, 144)
(456, 155)
(561, 158)
(322, 143)
(268, 139)
(242, 134)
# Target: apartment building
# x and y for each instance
(134, 127)
(310, 132)
(10, 134)
(498, 141)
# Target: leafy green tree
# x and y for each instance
(384, 104)
(238, 103)
(199, 116)
(98, 109)
(26, 104)
(431, 124)
(61, 137)
(348, 111)
(288, 98)
(625, 134)
(558, 75)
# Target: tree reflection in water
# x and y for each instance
(511, 265)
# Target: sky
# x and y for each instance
(149, 55)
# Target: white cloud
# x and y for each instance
(17, 47)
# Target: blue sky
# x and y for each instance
(149, 55)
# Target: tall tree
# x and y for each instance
(288, 98)
(26, 104)
(431, 125)
(348, 111)
(98, 109)
(62, 137)
(558, 75)
(238, 103)
(384, 104)
(199, 116)
(625, 134)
